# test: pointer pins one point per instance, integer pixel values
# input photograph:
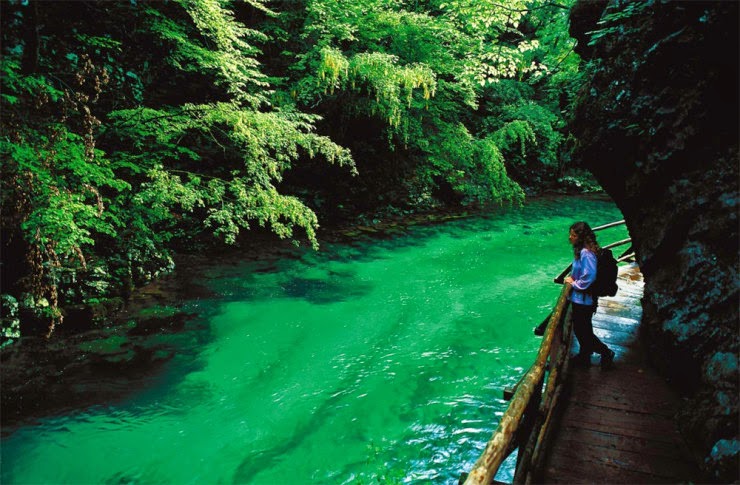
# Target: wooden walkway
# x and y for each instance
(618, 426)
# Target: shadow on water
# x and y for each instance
(245, 280)
(261, 460)
(323, 291)
(373, 245)
(290, 281)
(320, 278)
(355, 372)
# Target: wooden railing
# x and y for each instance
(528, 421)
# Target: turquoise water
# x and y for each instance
(379, 361)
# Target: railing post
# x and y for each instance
(527, 425)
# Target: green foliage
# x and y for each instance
(63, 187)
(257, 144)
(227, 55)
(31, 86)
(473, 167)
(498, 48)
(613, 21)
(396, 65)
(9, 322)
(579, 182)
(392, 86)
(264, 145)
(423, 69)
(525, 130)
(141, 125)
(513, 132)
(55, 182)
(540, 98)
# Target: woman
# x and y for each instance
(583, 305)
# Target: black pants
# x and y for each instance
(584, 330)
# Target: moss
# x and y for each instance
(724, 457)
(723, 366)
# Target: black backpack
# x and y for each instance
(606, 275)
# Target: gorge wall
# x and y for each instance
(657, 124)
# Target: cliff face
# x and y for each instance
(658, 126)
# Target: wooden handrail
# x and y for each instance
(561, 277)
(618, 243)
(487, 465)
(607, 226)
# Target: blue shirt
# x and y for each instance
(583, 274)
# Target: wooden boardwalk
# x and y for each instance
(618, 425)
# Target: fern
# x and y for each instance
(392, 86)
(513, 132)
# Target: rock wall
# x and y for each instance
(657, 124)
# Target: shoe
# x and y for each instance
(580, 360)
(607, 360)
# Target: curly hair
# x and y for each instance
(585, 238)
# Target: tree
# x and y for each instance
(431, 75)
(101, 157)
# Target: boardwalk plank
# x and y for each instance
(614, 397)
(621, 330)
(658, 467)
(637, 425)
(624, 354)
(624, 339)
(612, 309)
(589, 472)
(630, 377)
(616, 320)
(629, 308)
(623, 443)
(641, 446)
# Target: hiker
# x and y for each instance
(583, 304)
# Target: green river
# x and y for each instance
(383, 361)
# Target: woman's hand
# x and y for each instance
(569, 280)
